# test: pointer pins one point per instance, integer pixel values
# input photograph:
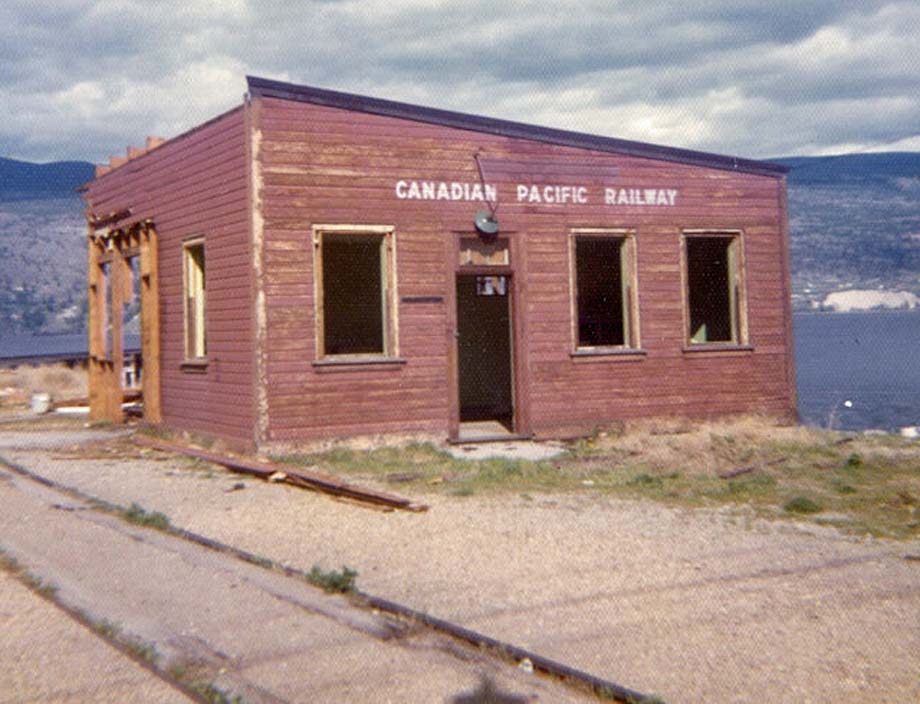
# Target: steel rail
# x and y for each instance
(498, 649)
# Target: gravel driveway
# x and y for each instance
(694, 605)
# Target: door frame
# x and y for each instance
(518, 369)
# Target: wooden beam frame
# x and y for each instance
(150, 324)
(108, 296)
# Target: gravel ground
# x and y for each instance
(45, 656)
(694, 605)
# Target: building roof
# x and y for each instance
(35, 349)
(265, 88)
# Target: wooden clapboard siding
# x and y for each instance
(314, 164)
(327, 165)
(196, 185)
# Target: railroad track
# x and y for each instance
(398, 621)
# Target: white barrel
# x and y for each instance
(41, 403)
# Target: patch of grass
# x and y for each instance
(842, 487)
(802, 504)
(262, 562)
(10, 564)
(332, 581)
(155, 431)
(139, 516)
(199, 677)
(645, 480)
(677, 463)
(141, 650)
(213, 694)
(752, 486)
(37, 584)
(114, 633)
(106, 628)
(651, 699)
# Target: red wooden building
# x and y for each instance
(316, 264)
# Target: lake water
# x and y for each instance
(871, 360)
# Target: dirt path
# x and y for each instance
(692, 605)
(45, 656)
(236, 626)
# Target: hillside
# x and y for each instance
(854, 221)
(42, 246)
(25, 180)
(855, 224)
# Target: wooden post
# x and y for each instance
(95, 324)
(120, 279)
(150, 323)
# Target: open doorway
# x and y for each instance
(484, 356)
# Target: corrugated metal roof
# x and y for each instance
(262, 87)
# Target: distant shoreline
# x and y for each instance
(857, 311)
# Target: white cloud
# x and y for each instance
(84, 78)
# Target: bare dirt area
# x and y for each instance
(58, 380)
(693, 604)
(48, 657)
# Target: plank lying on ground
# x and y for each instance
(128, 396)
(306, 479)
(750, 468)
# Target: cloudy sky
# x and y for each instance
(82, 79)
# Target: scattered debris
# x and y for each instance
(737, 472)
(304, 478)
(239, 486)
(402, 477)
(66, 507)
(488, 693)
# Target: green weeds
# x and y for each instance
(802, 504)
(332, 581)
(860, 477)
(137, 515)
(213, 694)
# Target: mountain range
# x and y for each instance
(854, 225)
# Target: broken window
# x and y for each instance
(715, 291)
(604, 290)
(194, 283)
(355, 292)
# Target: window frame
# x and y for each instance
(738, 300)
(629, 276)
(191, 356)
(389, 299)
